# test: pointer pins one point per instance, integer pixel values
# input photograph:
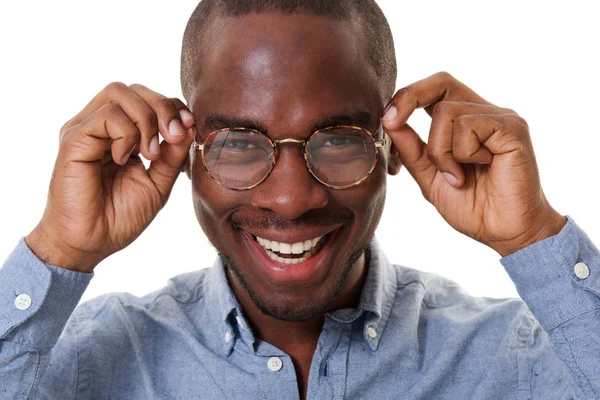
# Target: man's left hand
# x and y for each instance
(478, 168)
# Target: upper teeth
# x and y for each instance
(287, 248)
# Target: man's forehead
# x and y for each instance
(290, 31)
(290, 65)
(292, 41)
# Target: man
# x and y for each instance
(283, 142)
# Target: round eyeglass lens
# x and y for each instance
(238, 158)
(341, 156)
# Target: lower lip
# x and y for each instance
(289, 273)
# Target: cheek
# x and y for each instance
(366, 202)
(378, 199)
(213, 204)
(379, 185)
(372, 205)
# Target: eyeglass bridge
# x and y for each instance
(290, 140)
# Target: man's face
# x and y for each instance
(288, 74)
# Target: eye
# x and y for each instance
(342, 140)
(240, 144)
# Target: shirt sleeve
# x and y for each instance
(559, 279)
(36, 300)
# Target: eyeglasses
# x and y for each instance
(340, 157)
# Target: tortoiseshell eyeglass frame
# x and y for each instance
(275, 143)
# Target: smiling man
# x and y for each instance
(288, 135)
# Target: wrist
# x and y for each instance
(51, 250)
(547, 227)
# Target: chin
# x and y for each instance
(293, 301)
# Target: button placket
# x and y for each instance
(275, 364)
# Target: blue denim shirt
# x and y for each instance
(415, 335)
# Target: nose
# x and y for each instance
(290, 190)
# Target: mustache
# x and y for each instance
(309, 219)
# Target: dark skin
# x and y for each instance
(290, 74)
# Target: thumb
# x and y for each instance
(165, 171)
(412, 151)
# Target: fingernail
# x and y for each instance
(186, 115)
(390, 114)
(154, 147)
(175, 128)
(450, 178)
(126, 158)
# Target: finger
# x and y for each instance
(467, 148)
(443, 143)
(170, 122)
(136, 109)
(424, 94)
(189, 122)
(494, 134)
(187, 118)
(164, 171)
(413, 155)
(109, 127)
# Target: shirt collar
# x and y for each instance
(227, 311)
(375, 304)
(376, 299)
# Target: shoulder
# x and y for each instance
(444, 303)
(121, 314)
(120, 335)
(470, 329)
(440, 292)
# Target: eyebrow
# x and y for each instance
(363, 119)
(218, 121)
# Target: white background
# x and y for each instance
(539, 59)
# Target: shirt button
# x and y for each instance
(371, 332)
(581, 271)
(228, 337)
(23, 302)
(274, 364)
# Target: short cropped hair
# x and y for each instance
(379, 44)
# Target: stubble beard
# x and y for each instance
(299, 312)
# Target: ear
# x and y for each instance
(186, 168)
(393, 157)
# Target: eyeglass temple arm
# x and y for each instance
(382, 142)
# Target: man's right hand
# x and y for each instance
(101, 197)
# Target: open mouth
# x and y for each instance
(297, 262)
(291, 253)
